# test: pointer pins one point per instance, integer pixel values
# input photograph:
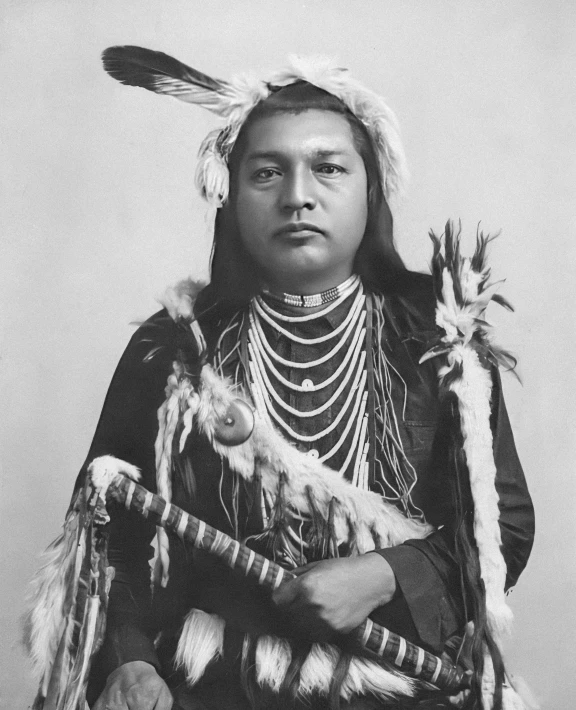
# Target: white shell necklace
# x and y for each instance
(348, 378)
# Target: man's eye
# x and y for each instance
(330, 170)
(265, 174)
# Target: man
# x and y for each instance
(312, 315)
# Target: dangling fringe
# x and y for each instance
(400, 477)
(201, 642)
(177, 390)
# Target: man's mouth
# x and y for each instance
(299, 229)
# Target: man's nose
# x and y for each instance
(298, 192)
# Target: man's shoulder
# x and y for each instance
(410, 298)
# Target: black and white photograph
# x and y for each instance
(286, 355)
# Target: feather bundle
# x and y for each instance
(65, 624)
(463, 291)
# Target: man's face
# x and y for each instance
(301, 200)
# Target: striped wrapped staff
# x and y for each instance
(407, 657)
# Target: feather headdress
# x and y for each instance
(233, 100)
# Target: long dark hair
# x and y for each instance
(234, 275)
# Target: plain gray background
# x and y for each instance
(99, 215)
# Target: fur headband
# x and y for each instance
(233, 100)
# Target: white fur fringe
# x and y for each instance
(201, 642)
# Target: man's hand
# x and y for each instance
(135, 686)
(336, 596)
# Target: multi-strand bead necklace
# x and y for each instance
(348, 378)
(336, 366)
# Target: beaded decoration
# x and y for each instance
(313, 300)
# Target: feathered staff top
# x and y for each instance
(233, 100)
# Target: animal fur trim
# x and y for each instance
(375, 522)
(233, 100)
(273, 656)
(464, 292)
(363, 678)
(362, 515)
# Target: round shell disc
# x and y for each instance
(236, 425)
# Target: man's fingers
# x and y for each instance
(286, 593)
(305, 568)
(165, 701)
(105, 702)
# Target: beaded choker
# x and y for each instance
(316, 299)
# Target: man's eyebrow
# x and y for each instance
(314, 153)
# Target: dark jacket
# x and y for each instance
(430, 605)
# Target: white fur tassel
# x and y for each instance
(368, 678)
(201, 641)
(273, 656)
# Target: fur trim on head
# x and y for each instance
(234, 99)
(366, 105)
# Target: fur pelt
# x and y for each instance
(464, 292)
(375, 522)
